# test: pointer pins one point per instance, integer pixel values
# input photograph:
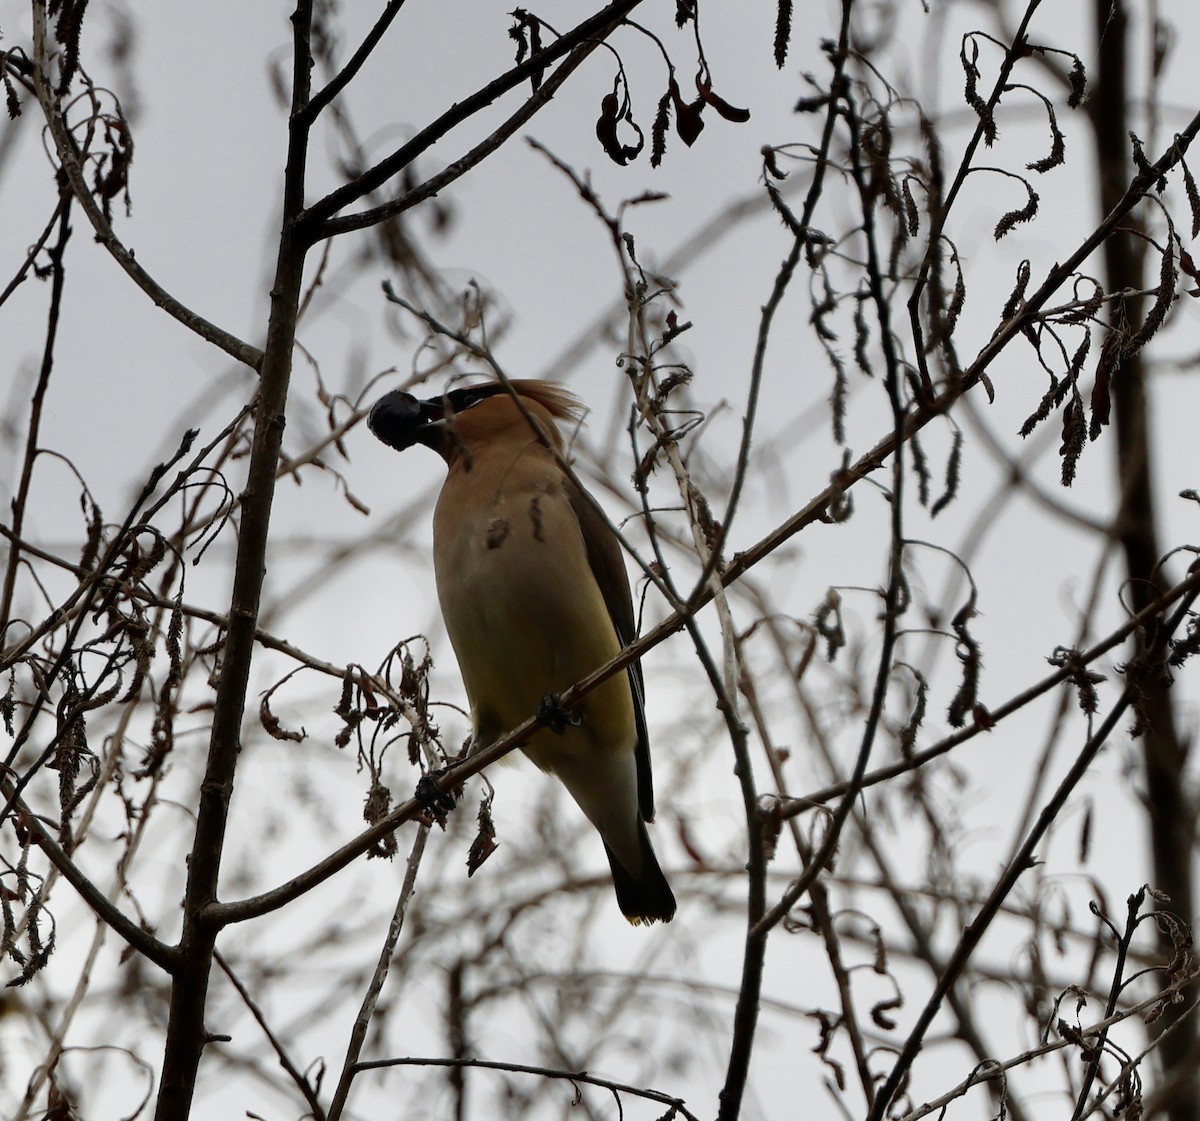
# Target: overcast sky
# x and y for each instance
(205, 181)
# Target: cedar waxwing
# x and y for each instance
(535, 596)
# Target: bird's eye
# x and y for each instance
(464, 399)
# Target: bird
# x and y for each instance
(533, 589)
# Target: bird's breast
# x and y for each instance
(522, 606)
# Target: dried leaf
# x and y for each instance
(270, 721)
(1057, 146)
(658, 131)
(1025, 213)
(953, 470)
(1013, 303)
(966, 699)
(862, 338)
(920, 464)
(1089, 307)
(94, 539)
(1048, 401)
(908, 734)
(11, 100)
(1193, 197)
(783, 31)
(957, 299)
(613, 111)
(688, 121)
(67, 30)
(1144, 166)
(828, 623)
(528, 25)
(1073, 436)
(1085, 834)
(8, 703)
(971, 91)
(606, 128)
(911, 217)
(1164, 297)
(879, 1012)
(1101, 400)
(376, 806)
(729, 112)
(837, 398)
(771, 164)
(1078, 80)
(770, 815)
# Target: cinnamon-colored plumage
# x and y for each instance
(535, 596)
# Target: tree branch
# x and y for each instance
(317, 218)
(68, 156)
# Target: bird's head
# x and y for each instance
(400, 420)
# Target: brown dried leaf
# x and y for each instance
(1025, 213)
(485, 839)
(1078, 80)
(971, 91)
(612, 112)
(729, 112)
(270, 721)
(1073, 436)
(783, 31)
(1193, 197)
(658, 131)
(1057, 146)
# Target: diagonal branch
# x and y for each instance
(346, 75)
(164, 956)
(285, 1060)
(1132, 625)
(586, 37)
(676, 1104)
(1022, 861)
(68, 156)
(370, 999)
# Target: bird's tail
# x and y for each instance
(647, 897)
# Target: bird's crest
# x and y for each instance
(559, 402)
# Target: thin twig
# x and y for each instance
(371, 997)
(997, 1068)
(57, 279)
(1185, 587)
(68, 156)
(1015, 52)
(285, 1061)
(31, 254)
(1020, 864)
(582, 1076)
(346, 75)
(143, 941)
(586, 35)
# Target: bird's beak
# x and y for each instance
(400, 420)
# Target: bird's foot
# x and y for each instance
(552, 713)
(436, 802)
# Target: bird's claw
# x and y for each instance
(554, 715)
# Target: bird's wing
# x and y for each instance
(608, 567)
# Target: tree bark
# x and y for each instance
(1164, 754)
(187, 1034)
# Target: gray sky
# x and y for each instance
(204, 184)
